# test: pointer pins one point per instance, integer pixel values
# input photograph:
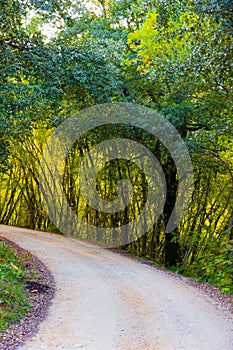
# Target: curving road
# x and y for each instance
(108, 302)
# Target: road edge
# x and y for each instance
(41, 293)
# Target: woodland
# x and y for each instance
(174, 57)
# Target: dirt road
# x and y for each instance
(108, 302)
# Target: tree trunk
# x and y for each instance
(171, 250)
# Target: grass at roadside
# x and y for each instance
(13, 293)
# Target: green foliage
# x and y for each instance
(13, 295)
(216, 269)
(187, 59)
(25, 94)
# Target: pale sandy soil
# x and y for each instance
(105, 301)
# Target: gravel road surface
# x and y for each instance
(105, 301)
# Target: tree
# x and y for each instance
(184, 60)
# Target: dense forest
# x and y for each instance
(175, 58)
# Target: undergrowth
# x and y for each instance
(13, 293)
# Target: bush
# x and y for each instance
(13, 294)
(215, 267)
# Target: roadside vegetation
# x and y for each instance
(13, 293)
